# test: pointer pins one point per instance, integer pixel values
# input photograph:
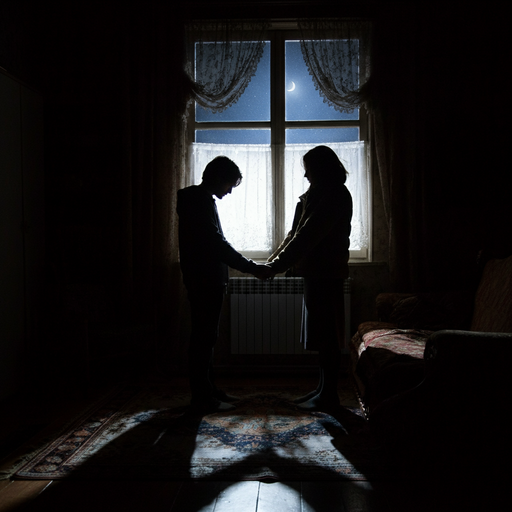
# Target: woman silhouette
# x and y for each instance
(317, 248)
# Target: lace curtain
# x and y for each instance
(337, 54)
(247, 215)
(353, 155)
(226, 55)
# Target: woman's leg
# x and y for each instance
(325, 304)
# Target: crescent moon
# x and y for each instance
(292, 87)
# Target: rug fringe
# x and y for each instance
(22, 455)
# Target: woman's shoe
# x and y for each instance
(305, 398)
(320, 403)
(313, 393)
(221, 395)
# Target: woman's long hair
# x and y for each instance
(324, 163)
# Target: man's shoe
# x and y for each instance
(210, 406)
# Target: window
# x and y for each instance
(279, 116)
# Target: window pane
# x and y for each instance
(321, 135)
(254, 104)
(233, 136)
(303, 101)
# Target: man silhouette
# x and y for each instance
(205, 256)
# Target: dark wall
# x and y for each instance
(72, 52)
(75, 54)
(461, 49)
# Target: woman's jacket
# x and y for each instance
(318, 244)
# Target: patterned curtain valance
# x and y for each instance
(221, 59)
(337, 54)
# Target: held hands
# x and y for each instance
(263, 272)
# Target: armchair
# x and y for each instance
(448, 372)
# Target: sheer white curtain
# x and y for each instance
(353, 155)
(336, 53)
(246, 215)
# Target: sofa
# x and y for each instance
(438, 362)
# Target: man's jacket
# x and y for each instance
(204, 252)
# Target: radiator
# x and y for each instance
(266, 316)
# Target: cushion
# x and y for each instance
(363, 329)
(385, 303)
(382, 347)
(434, 311)
(408, 342)
(389, 361)
(493, 300)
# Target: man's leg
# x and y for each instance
(205, 306)
(219, 393)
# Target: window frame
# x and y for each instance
(278, 34)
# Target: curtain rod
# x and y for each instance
(276, 23)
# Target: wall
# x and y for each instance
(74, 54)
(21, 230)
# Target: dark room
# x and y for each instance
(358, 295)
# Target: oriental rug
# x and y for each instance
(147, 433)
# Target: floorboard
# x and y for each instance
(198, 496)
(21, 493)
(69, 496)
(238, 497)
(279, 496)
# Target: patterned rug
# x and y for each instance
(146, 433)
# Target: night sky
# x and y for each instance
(303, 103)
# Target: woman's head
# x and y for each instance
(323, 166)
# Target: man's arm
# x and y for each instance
(200, 231)
(263, 272)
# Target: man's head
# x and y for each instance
(221, 175)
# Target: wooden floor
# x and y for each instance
(186, 496)
(60, 496)
(35, 412)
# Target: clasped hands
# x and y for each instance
(264, 272)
